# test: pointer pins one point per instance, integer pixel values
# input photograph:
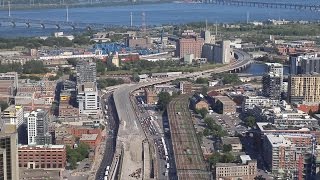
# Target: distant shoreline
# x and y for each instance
(87, 5)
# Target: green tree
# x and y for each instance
(226, 148)
(72, 61)
(214, 158)
(103, 83)
(204, 90)
(66, 70)
(164, 99)
(11, 67)
(53, 78)
(77, 154)
(81, 40)
(227, 78)
(206, 132)
(203, 112)
(111, 67)
(135, 77)
(227, 158)
(3, 105)
(34, 67)
(201, 80)
(251, 121)
(101, 67)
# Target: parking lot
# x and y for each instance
(231, 123)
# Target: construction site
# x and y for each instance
(188, 156)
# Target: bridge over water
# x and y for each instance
(264, 4)
(59, 24)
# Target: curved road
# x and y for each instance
(130, 134)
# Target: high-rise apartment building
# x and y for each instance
(9, 169)
(304, 89)
(287, 154)
(88, 99)
(276, 68)
(295, 61)
(189, 46)
(271, 85)
(37, 126)
(8, 85)
(206, 35)
(310, 65)
(86, 71)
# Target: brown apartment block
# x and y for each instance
(225, 104)
(235, 171)
(189, 46)
(42, 156)
(185, 87)
(304, 89)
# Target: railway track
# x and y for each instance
(188, 156)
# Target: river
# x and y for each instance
(155, 14)
(261, 68)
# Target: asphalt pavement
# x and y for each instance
(112, 124)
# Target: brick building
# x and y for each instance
(42, 156)
(189, 46)
(77, 131)
(185, 87)
(224, 105)
(93, 140)
(68, 111)
(67, 140)
(247, 170)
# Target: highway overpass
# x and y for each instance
(130, 135)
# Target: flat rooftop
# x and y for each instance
(42, 146)
(88, 137)
(225, 100)
(278, 140)
(231, 140)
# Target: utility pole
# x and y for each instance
(216, 29)
(67, 16)
(131, 24)
(9, 9)
(143, 25)
(206, 24)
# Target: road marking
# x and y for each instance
(124, 125)
(135, 123)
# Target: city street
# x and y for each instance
(111, 132)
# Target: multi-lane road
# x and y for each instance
(110, 117)
(130, 136)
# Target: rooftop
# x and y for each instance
(51, 146)
(88, 137)
(278, 140)
(245, 158)
(87, 85)
(264, 126)
(231, 140)
(224, 99)
(274, 64)
(12, 108)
